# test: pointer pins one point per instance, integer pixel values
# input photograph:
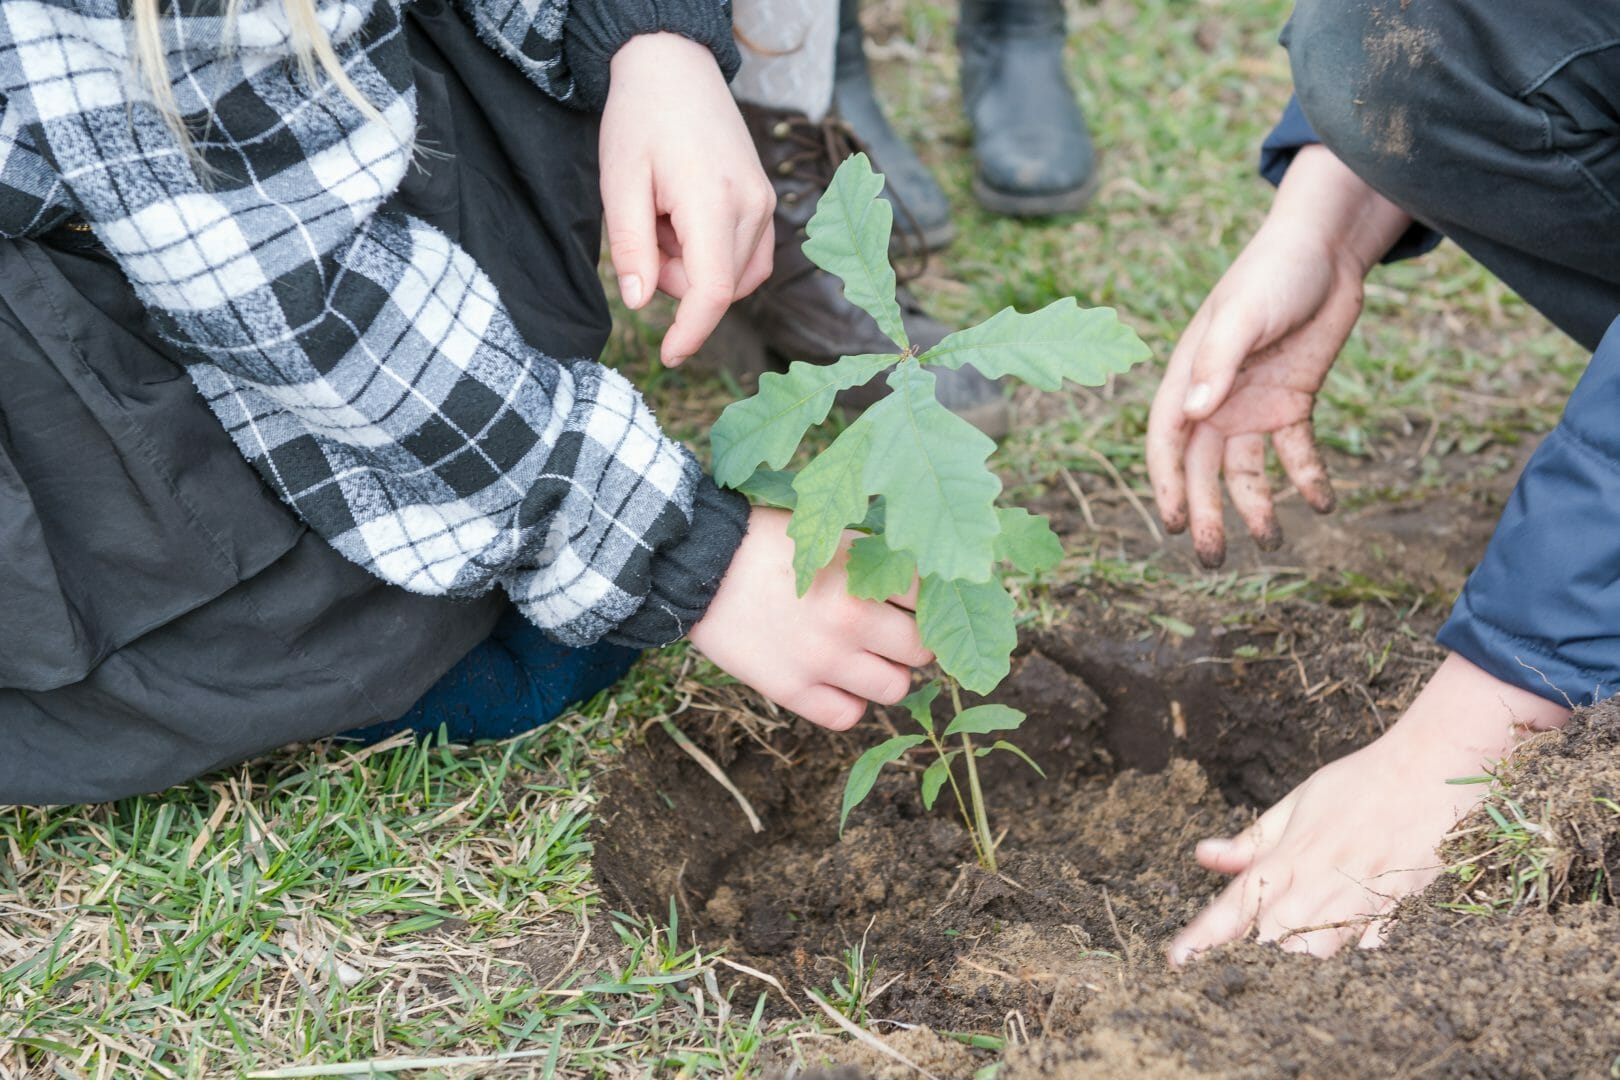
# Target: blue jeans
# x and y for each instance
(513, 681)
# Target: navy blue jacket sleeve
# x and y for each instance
(1542, 610)
(1293, 133)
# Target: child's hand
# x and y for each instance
(685, 201)
(1317, 870)
(825, 655)
(1254, 356)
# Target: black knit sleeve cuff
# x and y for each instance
(596, 29)
(686, 575)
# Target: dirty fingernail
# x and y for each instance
(675, 361)
(630, 289)
(1197, 397)
(1211, 552)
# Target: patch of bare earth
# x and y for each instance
(1151, 739)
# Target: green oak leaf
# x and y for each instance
(768, 426)
(849, 238)
(934, 777)
(876, 571)
(876, 515)
(920, 704)
(771, 487)
(864, 773)
(832, 496)
(983, 719)
(1061, 341)
(929, 465)
(1002, 744)
(1026, 540)
(969, 626)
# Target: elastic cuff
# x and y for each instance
(1519, 661)
(686, 575)
(599, 28)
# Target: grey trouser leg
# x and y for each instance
(1493, 121)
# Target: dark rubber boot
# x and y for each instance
(1034, 153)
(800, 312)
(917, 193)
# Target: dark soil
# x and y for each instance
(1151, 740)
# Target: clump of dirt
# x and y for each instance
(1555, 837)
(1449, 995)
(920, 1048)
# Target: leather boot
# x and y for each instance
(800, 312)
(916, 193)
(1034, 153)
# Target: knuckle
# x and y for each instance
(715, 291)
(848, 615)
(896, 685)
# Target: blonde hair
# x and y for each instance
(312, 50)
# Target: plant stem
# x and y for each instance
(961, 806)
(981, 820)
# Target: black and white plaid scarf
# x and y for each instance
(361, 360)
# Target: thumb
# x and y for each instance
(629, 217)
(1233, 855)
(1215, 365)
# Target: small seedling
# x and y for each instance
(913, 478)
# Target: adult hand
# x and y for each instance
(1324, 867)
(823, 655)
(685, 201)
(1252, 360)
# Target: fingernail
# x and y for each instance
(1179, 955)
(630, 289)
(1197, 397)
(1212, 846)
(675, 361)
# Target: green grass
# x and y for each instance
(323, 906)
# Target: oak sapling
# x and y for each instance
(913, 477)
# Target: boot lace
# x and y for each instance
(821, 146)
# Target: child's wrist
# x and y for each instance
(1469, 720)
(1353, 223)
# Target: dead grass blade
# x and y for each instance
(866, 1037)
(714, 770)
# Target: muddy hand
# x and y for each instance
(1325, 866)
(1251, 362)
